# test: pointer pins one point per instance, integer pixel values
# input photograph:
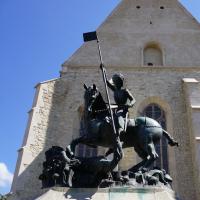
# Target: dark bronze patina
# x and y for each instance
(62, 168)
(108, 126)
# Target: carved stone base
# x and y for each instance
(117, 193)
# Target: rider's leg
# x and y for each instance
(119, 148)
(117, 143)
(120, 125)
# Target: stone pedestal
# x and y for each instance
(117, 193)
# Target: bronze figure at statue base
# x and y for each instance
(95, 172)
(62, 168)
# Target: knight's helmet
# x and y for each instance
(117, 80)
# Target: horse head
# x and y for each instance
(93, 99)
(90, 96)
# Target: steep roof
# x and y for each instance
(133, 24)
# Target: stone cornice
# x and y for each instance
(134, 68)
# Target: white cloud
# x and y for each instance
(5, 176)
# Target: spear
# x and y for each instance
(94, 36)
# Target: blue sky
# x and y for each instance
(36, 37)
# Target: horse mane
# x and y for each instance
(99, 103)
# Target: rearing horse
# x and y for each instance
(142, 133)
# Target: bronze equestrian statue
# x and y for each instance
(142, 133)
(108, 126)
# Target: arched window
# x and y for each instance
(154, 111)
(152, 55)
(84, 150)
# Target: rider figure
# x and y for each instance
(124, 100)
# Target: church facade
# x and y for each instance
(155, 44)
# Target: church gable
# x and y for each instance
(134, 24)
(137, 15)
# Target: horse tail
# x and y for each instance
(170, 139)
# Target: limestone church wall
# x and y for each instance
(54, 121)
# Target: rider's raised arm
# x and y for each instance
(110, 85)
(131, 98)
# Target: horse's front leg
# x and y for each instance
(72, 146)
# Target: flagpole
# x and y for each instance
(93, 36)
(106, 86)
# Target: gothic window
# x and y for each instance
(154, 111)
(83, 150)
(152, 55)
